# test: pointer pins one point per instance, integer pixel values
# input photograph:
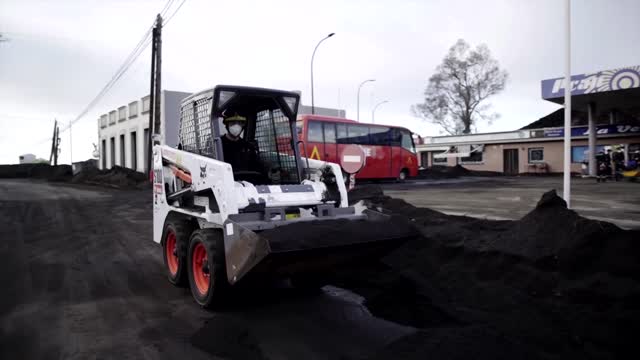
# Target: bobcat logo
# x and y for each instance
(203, 171)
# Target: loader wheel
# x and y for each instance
(175, 237)
(207, 272)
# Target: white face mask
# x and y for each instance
(235, 129)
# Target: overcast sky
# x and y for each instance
(61, 53)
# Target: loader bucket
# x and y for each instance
(311, 246)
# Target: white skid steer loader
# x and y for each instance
(286, 217)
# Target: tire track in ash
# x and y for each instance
(34, 273)
(89, 283)
(127, 293)
(78, 291)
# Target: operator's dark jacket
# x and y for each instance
(241, 154)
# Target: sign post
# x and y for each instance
(352, 160)
(566, 188)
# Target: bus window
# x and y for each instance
(329, 133)
(314, 131)
(396, 137)
(299, 127)
(379, 135)
(407, 141)
(358, 134)
(342, 134)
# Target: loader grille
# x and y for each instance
(273, 135)
(196, 133)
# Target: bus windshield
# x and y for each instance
(407, 141)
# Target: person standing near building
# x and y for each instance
(602, 161)
(617, 163)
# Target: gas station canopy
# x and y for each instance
(609, 90)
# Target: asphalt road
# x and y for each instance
(510, 198)
(82, 279)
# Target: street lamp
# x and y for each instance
(373, 112)
(359, 87)
(313, 109)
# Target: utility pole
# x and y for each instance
(158, 96)
(56, 141)
(70, 147)
(53, 141)
(154, 90)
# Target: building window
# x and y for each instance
(112, 117)
(536, 155)
(103, 121)
(580, 154)
(146, 103)
(112, 148)
(122, 152)
(133, 109)
(133, 144)
(122, 113)
(104, 154)
(424, 159)
(438, 161)
(475, 155)
(145, 150)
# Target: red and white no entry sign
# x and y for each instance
(352, 159)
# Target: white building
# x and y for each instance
(27, 159)
(123, 133)
(306, 110)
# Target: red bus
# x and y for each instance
(390, 150)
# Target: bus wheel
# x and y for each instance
(403, 175)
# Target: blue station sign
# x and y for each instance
(601, 81)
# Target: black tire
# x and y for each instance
(214, 269)
(402, 176)
(181, 229)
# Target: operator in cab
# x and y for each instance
(237, 151)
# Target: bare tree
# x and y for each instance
(456, 93)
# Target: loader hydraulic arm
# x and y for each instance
(181, 174)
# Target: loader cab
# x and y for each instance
(270, 129)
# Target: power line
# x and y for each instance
(174, 13)
(140, 47)
(133, 56)
(166, 7)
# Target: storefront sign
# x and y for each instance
(608, 80)
(600, 130)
